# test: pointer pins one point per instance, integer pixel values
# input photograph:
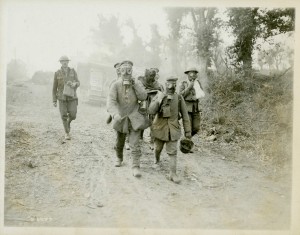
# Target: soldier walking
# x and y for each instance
(65, 84)
(166, 128)
(109, 119)
(123, 106)
(192, 91)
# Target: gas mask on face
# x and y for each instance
(150, 75)
(126, 71)
(170, 89)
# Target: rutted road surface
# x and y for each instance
(50, 183)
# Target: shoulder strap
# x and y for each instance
(179, 101)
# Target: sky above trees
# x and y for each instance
(39, 34)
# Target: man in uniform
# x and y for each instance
(64, 89)
(157, 75)
(109, 119)
(152, 87)
(123, 106)
(192, 91)
(166, 128)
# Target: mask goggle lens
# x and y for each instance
(171, 85)
(126, 70)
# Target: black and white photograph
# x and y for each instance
(139, 117)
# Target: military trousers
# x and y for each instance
(195, 122)
(171, 146)
(134, 144)
(68, 109)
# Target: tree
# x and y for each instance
(174, 18)
(135, 51)
(248, 24)
(154, 46)
(205, 24)
(202, 36)
(108, 38)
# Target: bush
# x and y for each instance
(256, 108)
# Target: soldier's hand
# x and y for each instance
(54, 104)
(74, 84)
(191, 84)
(117, 117)
(69, 83)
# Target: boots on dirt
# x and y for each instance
(119, 155)
(136, 172)
(69, 124)
(118, 162)
(157, 157)
(67, 136)
(173, 176)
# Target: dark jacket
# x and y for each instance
(124, 101)
(168, 128)
(60, 79)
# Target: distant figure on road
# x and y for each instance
(65, 84)
(168, 106)
(123, 106)
(192, 92)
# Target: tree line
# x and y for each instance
(195, 36)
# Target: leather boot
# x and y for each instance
(119, 159)
(118, 162)
(67, 136)
(69, 124)
(157, 156)
(136, 172)
(173, 176)
(135, 155)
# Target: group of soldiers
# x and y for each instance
(135, 104)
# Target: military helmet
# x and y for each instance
(64, 57)
(186, 145)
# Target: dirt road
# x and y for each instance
(50, 183)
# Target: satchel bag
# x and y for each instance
(69, 91)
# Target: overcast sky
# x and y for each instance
(39, 34)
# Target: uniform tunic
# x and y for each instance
(60, 79)
(123, 100)
(168, 128)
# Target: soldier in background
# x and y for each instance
(65, 84)
(166, 128)
(192, 92)
(123, 106)
(157, 75)
(152, 86)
